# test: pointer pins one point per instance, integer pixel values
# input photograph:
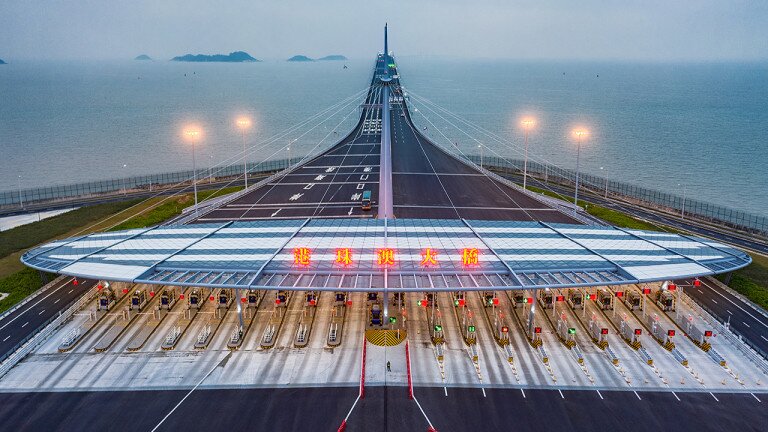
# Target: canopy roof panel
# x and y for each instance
(399, 254)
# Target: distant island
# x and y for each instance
(335, 57)
(2, 62)
(143, 57)
(234, 57)
(300, 58)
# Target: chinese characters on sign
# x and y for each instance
(429, 257)
(301, 256)
(344, 256)
(385, 257)
(469, 256)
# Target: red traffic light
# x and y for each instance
(211, 298)
(696, 282)
(604, 331)
(638, 331)
(151, 293)
(312, 302)
(243, 299)
(181, 296)
(461, 302)
(619, 293)
(559, 298)
(670, 333)
(707, 333)
(646, 290)
(125, 290)
(277, 301)
(496, 301)
(537, 330)
(424, 303)
(349, 302)
(504, 329)
(529, 300)
(75, 282)
(99, 287)
(671, 287)
(593, 296)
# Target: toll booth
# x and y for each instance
(487, 298)
(665, 300)
(598, 332)
(629, 332)
(376, 315)
(281, 298)
(518, 299)
(311, 298)
(252, 299)
(547, 299)
(605, 299)
(659, 331)
(224, 298)
(167, 299)
(633, 300)
(575, 299)
(458, 299)
(107, 299)
(430, 297)
(373, 297)
(138, 300)
(341, 298)
(195, 299)
(398, 299)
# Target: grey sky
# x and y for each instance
(564, 29)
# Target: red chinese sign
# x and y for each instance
(301, 256)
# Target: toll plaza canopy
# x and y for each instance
(395, 254)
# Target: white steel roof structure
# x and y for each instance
(344, 255)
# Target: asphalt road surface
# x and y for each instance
(16, 326)
(382, 409)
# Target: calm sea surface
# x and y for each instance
(701, 126)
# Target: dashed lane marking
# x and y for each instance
(756, 398)
(523, 392)
(713, 396)
(638, 396)
(714, 301)
(275, 213)
(764, 338)
(675, 395)
(41, 312)
(9, 336)
(748, 326)
(729, 312)
(561, 393)
(598, 393)
(57, 300)
(25, 324)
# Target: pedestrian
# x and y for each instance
(389, 367)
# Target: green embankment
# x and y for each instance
(19, 281)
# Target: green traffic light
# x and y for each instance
(438, 328)
(455, 302)
(392, 320)
(471, 329)
(571, 330)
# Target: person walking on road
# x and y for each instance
(389, 367)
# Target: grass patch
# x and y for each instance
(26, 236)
(170, 208)
(613, 217)
(19, 285)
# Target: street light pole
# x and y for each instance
(579, 133)
(244, 123)
(21, 200)
(193, 134)
(606, 182)
(685, 193)
(527, 124)
(481, 154)
(123, 179)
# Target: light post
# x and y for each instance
(244, 123)
(21, 200)
(192, 135)
(579, 134)
(527, 123)
(123, 179)
(210, 170)
(685, 193)
(480, 146)
(606, 182)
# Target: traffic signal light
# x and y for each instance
(571, 330)
(670, 333)
(392, 319)
(471, 329)
(537, 329)
(604, 331)
(696, 282)
(505, 329)
(438, 328)
(638, 331)
(707, 333)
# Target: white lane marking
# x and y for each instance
(57, 300)
(37, 303)
(700, 291)
(330, 169)
(714, 301)
(756, 398)
(445, 390)
(275, 213)
(741, 308)
(638, 396)
(309, 186)
(367, 169)
(356, 196)
(561, 393)
(70, 291)
(523, 392)
(764, 338)
(364, 177)
(41, 312)
(598, 393)
(729, 312)
(484, 392)
(713, 396)
(187, 395)
(25, 324)
(350, 211)
(320, 177)
(675, 395)
(748, 326)
(6, 338)
(360, 186)
(294, 197)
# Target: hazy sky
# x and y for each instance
(564, 29)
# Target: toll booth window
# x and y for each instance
(164, 300)
(134, 301)
(193, 300)
(223, 299)
(371, 296)
(339, 297)
(103, 302)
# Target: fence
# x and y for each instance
(148, 182)
(688, 207)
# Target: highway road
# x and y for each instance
(16, 326)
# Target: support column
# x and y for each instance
(531, 316)
(385, 161)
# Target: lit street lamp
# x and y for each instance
(244, 123)
(579, 134)
(192, 134)
(527, 123)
